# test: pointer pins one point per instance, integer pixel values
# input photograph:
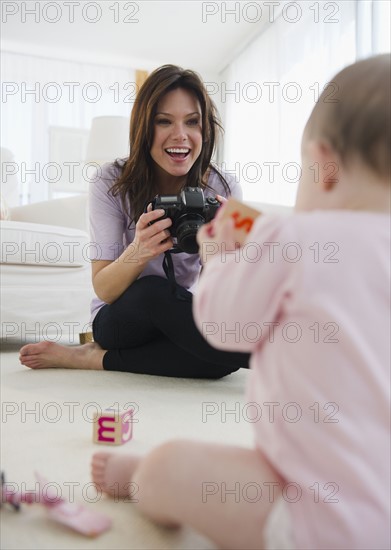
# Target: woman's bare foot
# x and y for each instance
(112, 473)
(49, 354)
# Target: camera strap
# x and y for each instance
(168, 266)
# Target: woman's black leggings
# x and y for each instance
(148, 330)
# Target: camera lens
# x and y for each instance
(187, 232)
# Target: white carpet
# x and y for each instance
(46, 427)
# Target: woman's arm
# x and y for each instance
(113, 268)
(110, 279)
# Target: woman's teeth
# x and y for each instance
(178, 152)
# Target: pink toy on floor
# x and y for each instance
(73, 515)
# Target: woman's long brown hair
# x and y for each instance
(136, 185)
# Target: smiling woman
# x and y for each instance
(142, 315)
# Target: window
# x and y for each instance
(270, 88)
(40, 95)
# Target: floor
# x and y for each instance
(46, 427)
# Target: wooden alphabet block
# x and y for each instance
(243, 216)
(113, 426)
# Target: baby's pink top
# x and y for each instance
(320, 374)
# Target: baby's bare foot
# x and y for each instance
(49, 354)
(112, 473)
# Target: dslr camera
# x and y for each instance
(188, 211)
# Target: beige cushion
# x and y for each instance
(4, 209)
(66, 212)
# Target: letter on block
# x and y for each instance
(243, 217)
(113, 427)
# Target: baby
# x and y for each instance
(312, 306)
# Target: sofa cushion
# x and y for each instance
(66, 212)
(37, 244)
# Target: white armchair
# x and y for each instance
(46, 285)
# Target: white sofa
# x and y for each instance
(46, 286)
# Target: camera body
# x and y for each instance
(188, 211)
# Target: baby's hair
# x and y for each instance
(353, 114)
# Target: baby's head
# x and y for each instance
(346, 142)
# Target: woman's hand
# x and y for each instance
(151, 240)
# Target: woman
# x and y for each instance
(142, 316)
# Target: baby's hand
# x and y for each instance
(216, 237)
(221, 199)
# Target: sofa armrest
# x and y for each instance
(65, 212)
